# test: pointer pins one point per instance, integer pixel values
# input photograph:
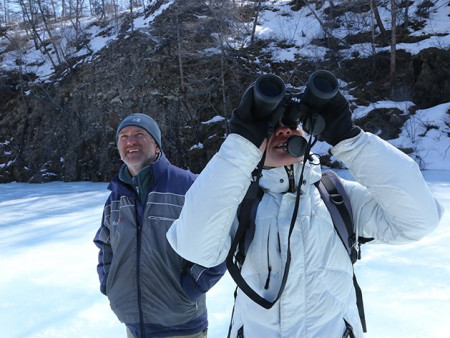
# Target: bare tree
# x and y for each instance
(331, 8)
(53, 5)
(29, 14)
(255, 21)
(393, 42)
(326, 30)
(49, 31)
(131, 15)
(221, 12)
(98, 8)
(70, 5)
(372, 25)
(376, 13)
(78, 14)
(29, 19)
(63, 8)
(406, 17)
(5, 8)
(115, 8)
(179, 52)
(103, 10)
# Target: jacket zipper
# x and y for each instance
(291, 178)
(138, 270)
(137, 203)
(269, 267)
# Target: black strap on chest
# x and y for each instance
(234, 261)
(235, 258)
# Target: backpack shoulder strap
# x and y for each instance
(247, 216)
(338, 204)
(234, 261)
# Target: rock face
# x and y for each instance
(65, 130)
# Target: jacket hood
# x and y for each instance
(276, 179)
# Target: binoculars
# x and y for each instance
(271, 99)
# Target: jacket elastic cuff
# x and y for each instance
(240, 151)
(190, 287)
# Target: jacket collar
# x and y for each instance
(276, 179)
(154, 169)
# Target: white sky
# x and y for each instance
(49, 286)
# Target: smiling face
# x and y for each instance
(276, 152)
(137, 148)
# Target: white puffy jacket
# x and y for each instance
(391, 203)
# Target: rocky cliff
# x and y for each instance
(64, 129)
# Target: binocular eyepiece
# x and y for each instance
(268, 92)
(271, 99)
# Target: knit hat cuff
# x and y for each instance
(142, 121)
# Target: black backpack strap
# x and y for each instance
(236, 257)
(338, 204)
(360, 303)
(246, 217)
(232, 262)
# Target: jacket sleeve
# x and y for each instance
(105, 254)
(202, 234)
(391, 201)
(198, 279)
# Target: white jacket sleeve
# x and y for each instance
(203, 232)
(392, 203)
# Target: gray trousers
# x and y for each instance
(203, 334)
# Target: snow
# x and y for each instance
(298, 28)
(215, 119)
(427, 132)
(301, 27)
(196, 146)
(362, 111)
(49, 283)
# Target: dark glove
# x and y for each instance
(244, 123)
(338, 120)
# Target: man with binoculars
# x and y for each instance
(296, 265)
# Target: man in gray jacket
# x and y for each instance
(390, 202)
(155, 292)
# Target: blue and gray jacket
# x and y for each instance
(153, 290)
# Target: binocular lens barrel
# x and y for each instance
(323, 84)
(268, 92)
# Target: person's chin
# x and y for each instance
(281, 160)
(134, 160)
(292, 160)
(136, 156)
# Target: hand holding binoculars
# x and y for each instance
(271, 102)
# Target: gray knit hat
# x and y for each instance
(142, 121)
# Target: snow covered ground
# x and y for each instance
(49, 286)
